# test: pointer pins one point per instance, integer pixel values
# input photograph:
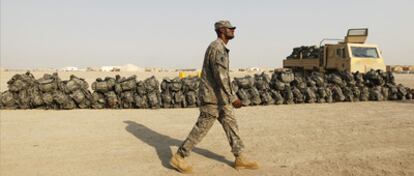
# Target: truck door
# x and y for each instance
(340, 57)
(335, 58)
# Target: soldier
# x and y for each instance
(217, 101)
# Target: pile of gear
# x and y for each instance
(180, 93)
(286, 87)
(246, 90)
(125, 93)
(48, 92)
(306, 52)
(282, 87)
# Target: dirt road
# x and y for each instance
(369, 138)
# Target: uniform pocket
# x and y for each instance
(205, 95)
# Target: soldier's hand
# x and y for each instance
(237, 103)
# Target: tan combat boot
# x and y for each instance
(178, 163)
(242, 163)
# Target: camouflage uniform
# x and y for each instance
(216, 96)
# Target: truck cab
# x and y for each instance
(352, 54)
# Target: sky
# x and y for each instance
(175, 34)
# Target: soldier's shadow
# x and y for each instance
(162, 144)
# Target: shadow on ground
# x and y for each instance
(162, 144)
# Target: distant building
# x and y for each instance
(253, 69)
(69, 69)
(124, 68)
(109, 68)
(130, 68)
(92, 69)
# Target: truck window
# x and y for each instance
(340, 52)
(364, 52)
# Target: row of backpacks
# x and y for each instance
(282, 87)
(286, 87)
(50, 92)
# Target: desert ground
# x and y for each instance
(364, 138)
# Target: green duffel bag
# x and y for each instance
(178, 98)
(277, 97)
(112, 99)
(165, 84)
(266, 98)
(245, 82)
(141, 101)
(191, 98)
(176, 85)
(80, 81)
(402, 91)
(47, 85)
(243, 96)
(110, 82)
(60, 97)
(153, 100)
(337, 94)
(18, 85)
(288, 96)
(118, 89)
(375, 94)
(37, 99)
(279, 85)
(190, 84)
(335, 79)
(84, 105)
(141, 90)
(287, 77)
(8, 100)
(98, 100)
(166, 99)
(72, 86)
(70, 104)
(254, 96)
(364, 94)
(101, 87)
(320, 82)
(24, 99)
(78, 96)
(298, 96)
(322, 92)
(128, 97)
(129, 84)
(384, 91)
(309, 95)
(47, 98)
(151, 84)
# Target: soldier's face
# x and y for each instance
(229, 33)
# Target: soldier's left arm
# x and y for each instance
(221, 73)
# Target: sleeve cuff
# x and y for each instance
(233, 98)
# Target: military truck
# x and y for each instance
(351, 54)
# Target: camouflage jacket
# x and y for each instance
(215, 86)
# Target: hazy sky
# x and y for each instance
(58, 33)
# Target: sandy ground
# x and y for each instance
(366, 138)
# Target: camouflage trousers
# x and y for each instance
(208, 115)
